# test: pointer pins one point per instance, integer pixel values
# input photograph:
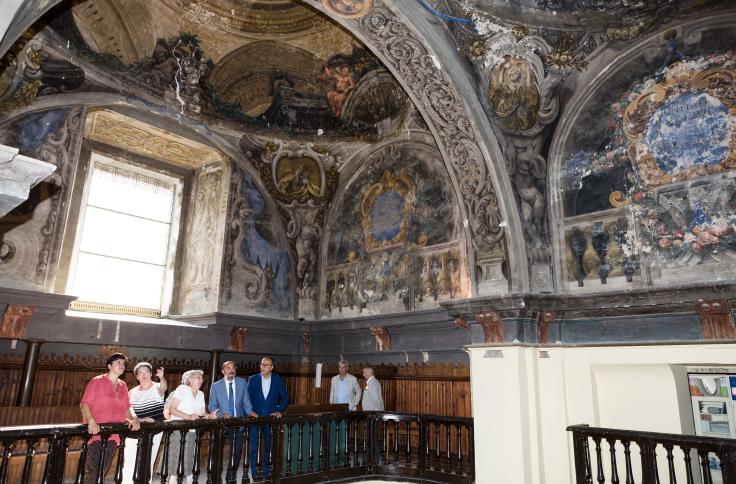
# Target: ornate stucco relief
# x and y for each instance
(138, 137)
(204, 241)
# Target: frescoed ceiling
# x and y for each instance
(262, 64)
(522, 102)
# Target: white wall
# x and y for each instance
(524, 397)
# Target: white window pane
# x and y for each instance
(124, 236)
(114, 281)
(131, 193)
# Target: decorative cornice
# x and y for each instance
(141, 138)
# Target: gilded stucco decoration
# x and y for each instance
(138, 137)
(386, 208)
(524, 73)
(514, 93)
(302, 178)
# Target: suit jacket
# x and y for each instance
(277, 399)
(354, 391)
(372, 398)
(218, 398)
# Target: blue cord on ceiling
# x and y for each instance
(449, 18)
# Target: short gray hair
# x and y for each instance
(187, 376)
(343, 362)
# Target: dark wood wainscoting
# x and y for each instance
(428, 388)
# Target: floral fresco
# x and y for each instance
(668, 157)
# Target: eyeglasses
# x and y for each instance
(266, 364)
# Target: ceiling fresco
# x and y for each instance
(266, 64)
(581, 15)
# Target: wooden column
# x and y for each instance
(30, 363)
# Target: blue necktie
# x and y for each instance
(230, 399)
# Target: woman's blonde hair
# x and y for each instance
(187, 376)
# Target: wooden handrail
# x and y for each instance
(304, 447)
(695, 448)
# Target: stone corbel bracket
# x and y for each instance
(383, 338)
(18, 174)
(716, 319)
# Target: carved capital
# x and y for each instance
(492, 325)
(383, 338)
(15, 321)
(545, 317)
(236, 342)
(306, 337)
(716, 319)
(460, 322)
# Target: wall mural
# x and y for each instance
(667, 161)
(257, 272)
(29, 233)
(394, 243)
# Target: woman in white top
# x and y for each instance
(187, 403)
(147, 400)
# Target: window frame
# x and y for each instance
(168, 283)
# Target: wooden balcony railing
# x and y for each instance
(668, 458)
(303, 448)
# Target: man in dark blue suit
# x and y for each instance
(230, 399)
(269, 398)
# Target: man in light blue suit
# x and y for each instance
(269, 397)
(229, 398)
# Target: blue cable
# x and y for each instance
(449, 18)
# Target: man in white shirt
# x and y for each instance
(344, 387)
(372, 398)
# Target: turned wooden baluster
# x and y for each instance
(100, 479)
(396, 441)
(705, 466)
(459, 461)
(437, 460)
(180, 468)
(246, 455)
(30, 452)
(599, 460)
(7, 452)
(688, 465)
(121, 458)
(165, 457)
(588, 470)
(323, 432)
(310, 457)
(408, 442)
(346, 453)
(259, 460)
(288, 450)
(448, 451)
(670, 463)
(80, 463)
(300, 453)
(336, 462)
(627, 462)
(614, 465)
(197, 450)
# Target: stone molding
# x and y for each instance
(18, 174)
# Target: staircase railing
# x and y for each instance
(662, 457)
